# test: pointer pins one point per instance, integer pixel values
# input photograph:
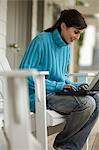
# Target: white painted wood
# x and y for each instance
(3, 143)
(41, 122)
(3, 14)
(4, 66)
(16, 116)
(16, 112)
(54, 118)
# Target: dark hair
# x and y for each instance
(72, 18)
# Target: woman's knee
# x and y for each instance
(88, 104)
(96, 97)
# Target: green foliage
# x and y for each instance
(80, 41)
(79, 3)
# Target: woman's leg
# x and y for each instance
(77, 111)
(78, 140)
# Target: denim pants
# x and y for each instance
(81, 113)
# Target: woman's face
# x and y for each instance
(70, 34)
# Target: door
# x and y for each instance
(19, 18)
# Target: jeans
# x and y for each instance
(81, 113)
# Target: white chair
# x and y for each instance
(16, 132)
(53, 118)
(43, 117)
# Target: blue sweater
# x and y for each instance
(47, 52)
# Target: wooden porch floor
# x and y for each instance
(95, 145)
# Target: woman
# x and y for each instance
(50, 50)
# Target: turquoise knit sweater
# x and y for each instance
(47, 51)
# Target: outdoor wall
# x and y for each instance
(48, 14)
(34, 18)
(42, 16)
(3, 20)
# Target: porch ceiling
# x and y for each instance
(87, 7)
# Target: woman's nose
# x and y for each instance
(77, 36)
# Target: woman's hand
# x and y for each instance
(83, 87)
(70, 87)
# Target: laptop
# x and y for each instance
(94, 85)
(91, 90)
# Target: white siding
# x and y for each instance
(3, 21)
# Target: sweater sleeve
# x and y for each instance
(32, 56)
(31, 59)
(53, 86)
(76, 84)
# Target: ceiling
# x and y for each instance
(89, 8)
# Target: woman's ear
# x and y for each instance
(63, 26)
